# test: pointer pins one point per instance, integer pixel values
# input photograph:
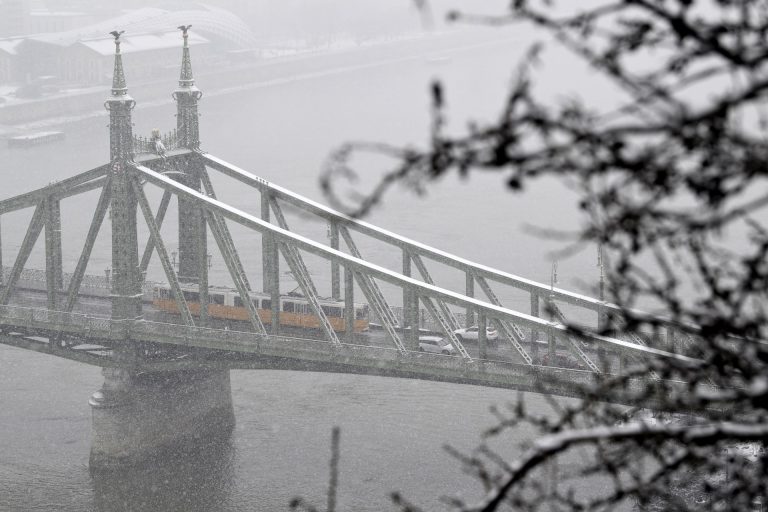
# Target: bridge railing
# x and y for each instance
(169, 140)
(355, 354)
(90, 285)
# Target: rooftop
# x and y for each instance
(140, 42)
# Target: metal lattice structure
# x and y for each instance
(176, 164)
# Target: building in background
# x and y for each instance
(80, 56)
(9, 61)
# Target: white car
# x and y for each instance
(436, 345)
(472, 333)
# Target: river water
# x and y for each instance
(392, 430)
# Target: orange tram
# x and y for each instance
(295, 311)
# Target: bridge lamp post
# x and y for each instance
(173, 257)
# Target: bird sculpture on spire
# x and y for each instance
(118, 77)
(184, 29)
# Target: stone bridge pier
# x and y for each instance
(138, 415)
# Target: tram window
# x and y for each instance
(288, 307)
(266, 304)
(332, 311)
(255, 303)
(191, 296)
(216, 299)
(361, 313)
(238, 302)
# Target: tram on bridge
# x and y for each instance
(226, 304)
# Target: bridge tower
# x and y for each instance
(193, 258)
(138, 415)
(126, 278)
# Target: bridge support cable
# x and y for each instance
(53, 259)
(33, 233)
(202, 266)
(410, 307)
(60, 189)
(469, 318)
(349, 304)
(55, 216)
(98, 219)
(1, 251)
(170, 273)
(270, 266)
(376, 299)
(482, 336)
(386, 313)
(268, 272)
(450, 318)
(333, 235)
(301, 267)
(572, 343)
(235, 271)
(161, 211)
(437, 316)
(510, 330)
(380, 307)
(223, 229)
(535, 303)
(295, 263)
(303, 278)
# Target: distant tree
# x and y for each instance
(673, 185)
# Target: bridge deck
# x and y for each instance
(93, 338)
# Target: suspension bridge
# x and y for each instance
(166, 348)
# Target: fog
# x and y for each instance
(284, 83)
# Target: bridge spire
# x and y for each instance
(187, 95)
(119, 87)
(120, 105)
(185, 78)
(126, 280)
(193, 256)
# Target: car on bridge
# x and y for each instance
(436, 345)
(473, 333)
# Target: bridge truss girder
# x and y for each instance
(334, 218)
(162, 253)
(375, 297)
(491, 311)
(303, 278)
(216, 213)
(31, 236)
